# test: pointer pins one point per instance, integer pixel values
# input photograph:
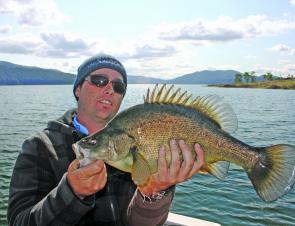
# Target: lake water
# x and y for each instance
(266, 117)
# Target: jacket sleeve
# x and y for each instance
(36, 198)
(149, 213)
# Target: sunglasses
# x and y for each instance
(102, 81)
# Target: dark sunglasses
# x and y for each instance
(101, 81)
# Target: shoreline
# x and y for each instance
(287, 84)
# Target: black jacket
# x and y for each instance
(40, 194)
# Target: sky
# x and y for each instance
(155, 38)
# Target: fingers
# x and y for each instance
(88, 170)
(93, 168)
(162, 164)
(99, 180)
(181, 170)
(74, 165)
(182, 167)
(87, 180)
(188, 160)
(200, 154)
(175, 159)
(200, 160)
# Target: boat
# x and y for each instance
(181, 220)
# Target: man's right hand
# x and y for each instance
(87, 180)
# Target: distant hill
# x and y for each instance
(200, 77)
(207, 77)
(13, 74)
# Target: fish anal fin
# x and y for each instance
(218, 169)
(140, 171)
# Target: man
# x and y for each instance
(49, 188)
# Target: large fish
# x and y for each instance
(131, 141)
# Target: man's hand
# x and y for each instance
(87, 180)
(178, 171)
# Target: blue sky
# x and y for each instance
(166, 38)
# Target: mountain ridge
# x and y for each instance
(14, 74)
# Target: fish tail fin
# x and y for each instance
(274, 175)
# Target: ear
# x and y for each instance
(77, 91)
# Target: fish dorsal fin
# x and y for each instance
(215, 108)
(211, 105)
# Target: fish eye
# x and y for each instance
(92, 142)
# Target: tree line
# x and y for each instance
(250, 77)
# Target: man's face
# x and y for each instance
(99, 104)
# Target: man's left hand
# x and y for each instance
(178, 171)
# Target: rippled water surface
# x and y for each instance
(266, 117)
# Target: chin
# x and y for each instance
(105, 117)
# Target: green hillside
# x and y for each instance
(13, 74)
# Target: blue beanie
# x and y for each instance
(97, 62)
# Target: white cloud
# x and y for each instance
(5, 29)
(19, 44)
(65, 44)
(290, 68)
(170, 66)
(6, 6)
(280, 48)
(33, 12)
(200, 30)
(72, 45)
(282, 70)
(292, 2)
(223, 29)
(151, 68)
(53, 45)
(223, 67)
(148, 51)
(283, 48)
(284, 61)
(65, 66)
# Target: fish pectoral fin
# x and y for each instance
(140, 169)
(218, 169)
(124, 164)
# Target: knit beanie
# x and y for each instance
(97, 62)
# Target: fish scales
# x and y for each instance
(160, 123)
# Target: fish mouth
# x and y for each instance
(77, 150)
(83, 155)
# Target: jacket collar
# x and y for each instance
(64, 124)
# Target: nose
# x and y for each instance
(108, 89)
